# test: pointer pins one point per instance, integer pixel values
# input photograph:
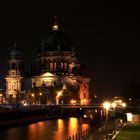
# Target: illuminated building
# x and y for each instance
(15, 72)
(54, 65)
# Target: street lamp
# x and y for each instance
(123, 107)
(33, 98)
(40, 94)
(106, 105)
(113, 105)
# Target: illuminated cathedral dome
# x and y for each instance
(55, 54)
(57, 41)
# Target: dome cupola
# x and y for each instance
(15, 52)
(57, 40)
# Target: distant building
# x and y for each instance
(55, 66)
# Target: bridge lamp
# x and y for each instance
(106, 105)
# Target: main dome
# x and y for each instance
(57, 41)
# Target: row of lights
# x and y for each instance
(107, 104)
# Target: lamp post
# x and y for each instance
(123, 108)
(106, 105)
(32, 98)
(113, 109)
(40, 94)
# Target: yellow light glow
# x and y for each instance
(84, 101)
(60, 125)
(123, 104)
(113, 104)
(40, 94)
(14, 96)
(96, 110)
(119, 101)
(85, 116)
(32, 95)
(0, 95)
(85, 126)
(73, 123)
(59, 93)
(106, 105)
(73, 101)
(55, 27)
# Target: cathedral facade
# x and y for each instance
(55, 69)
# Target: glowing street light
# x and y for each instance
(106, 105)
(32, 95)
(73, 101)
(113, 104)
(40, 94)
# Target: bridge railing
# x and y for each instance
(104, 132)
(79, 135)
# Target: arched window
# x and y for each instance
(48, 64)
(51, 65)
(62, 65)
(65, 65)
(54, 65)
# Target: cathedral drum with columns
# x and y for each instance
(55, 69)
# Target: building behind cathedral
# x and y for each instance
(56, 76)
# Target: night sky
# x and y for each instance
(105, 33)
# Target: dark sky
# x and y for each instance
(106, 34)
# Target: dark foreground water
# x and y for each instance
(58, 129)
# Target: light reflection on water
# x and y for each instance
(58, 129)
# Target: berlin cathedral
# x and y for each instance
(55, 76)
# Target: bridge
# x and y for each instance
(81, 106)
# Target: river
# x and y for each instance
(58, 129)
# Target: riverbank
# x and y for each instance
(25, 121)
(129, 132)
(17, 117)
